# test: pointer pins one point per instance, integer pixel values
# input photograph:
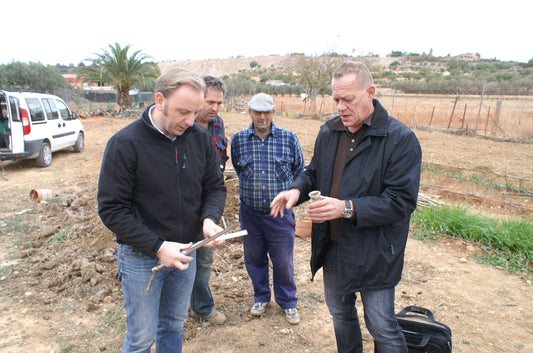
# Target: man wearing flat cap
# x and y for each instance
(267, 159)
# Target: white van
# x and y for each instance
(33, 125)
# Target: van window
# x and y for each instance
(63, 110)
(50, 108)
(36, 110)
(14, 105)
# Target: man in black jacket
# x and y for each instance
(202, 302)
(160, 187)
(367, 166)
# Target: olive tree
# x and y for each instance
(314, 72)
(31, 76)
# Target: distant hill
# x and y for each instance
(227, 66)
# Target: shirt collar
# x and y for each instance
(213, 122)
(157, 127)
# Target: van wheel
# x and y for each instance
(45, 155)
(79, 146)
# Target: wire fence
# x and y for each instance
(501, 117)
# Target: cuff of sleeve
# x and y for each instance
(161, 247)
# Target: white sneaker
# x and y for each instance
(258, 308)
(292, 316)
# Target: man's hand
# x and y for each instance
(325, 209)
(171, 256)
(210, 228)
(284, 201)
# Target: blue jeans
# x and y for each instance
(202, 303)
(380, 317)
(159, 314)
(274, 237)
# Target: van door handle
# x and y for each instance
(58, 124)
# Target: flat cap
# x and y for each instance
(262, 102)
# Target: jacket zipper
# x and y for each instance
(178, 188)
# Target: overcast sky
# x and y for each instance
(67, 32)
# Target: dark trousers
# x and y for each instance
(274, 237)
(202, 303)
(380, 317)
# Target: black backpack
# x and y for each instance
(422, 333)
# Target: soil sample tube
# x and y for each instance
(315, 196)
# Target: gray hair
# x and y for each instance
(215, 83)
(362, 73)
(174, 77)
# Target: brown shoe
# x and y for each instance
(217, 319)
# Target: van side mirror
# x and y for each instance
(73, 115)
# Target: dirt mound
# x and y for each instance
(70, 254)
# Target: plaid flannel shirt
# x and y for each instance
(220, 141)
(265, 167)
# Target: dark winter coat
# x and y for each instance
(382, 178)
(153, 189)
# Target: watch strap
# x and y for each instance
(348, 210)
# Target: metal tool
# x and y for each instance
(195, 246)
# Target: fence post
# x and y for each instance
(453, 111)
(498, 112)
(464, 118)
(487, 122)
(392, 107)
(480, 106)
(431, 119)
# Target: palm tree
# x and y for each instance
(116, 68)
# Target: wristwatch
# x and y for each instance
(348, 211)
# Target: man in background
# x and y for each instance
(208, 117)
(202, 303)
(4, 137)
(267, 159)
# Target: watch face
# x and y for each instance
(348, 212)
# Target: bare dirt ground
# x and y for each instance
(59, 291)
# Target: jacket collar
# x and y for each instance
(380, 120)
(145, 117)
